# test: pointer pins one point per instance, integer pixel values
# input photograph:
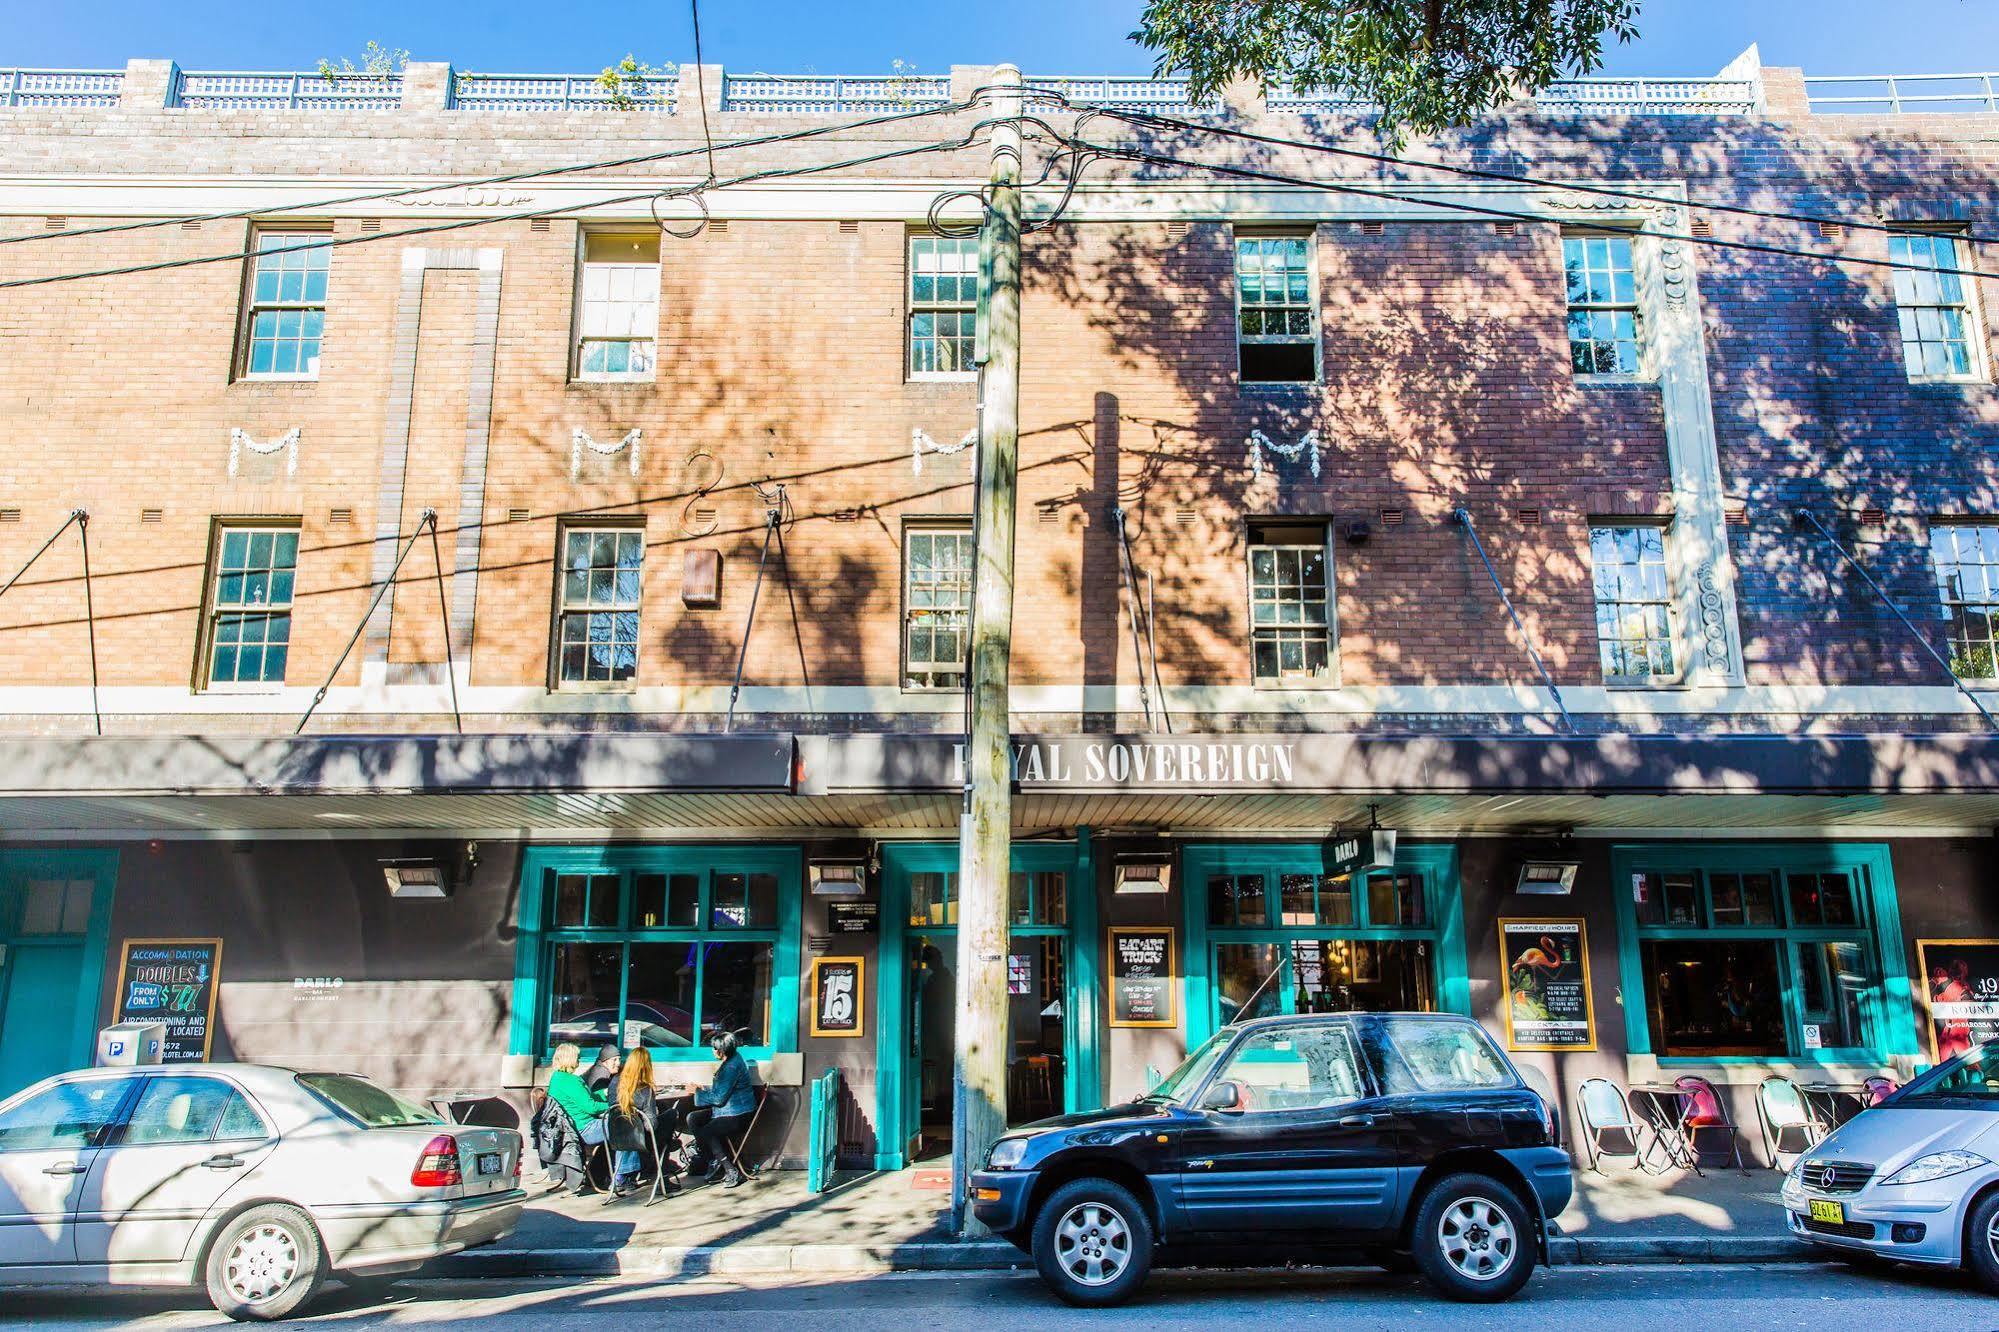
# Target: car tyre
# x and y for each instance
(265, 1264)
(1981, 1242)
(1473, 1239)
(1092, 1243)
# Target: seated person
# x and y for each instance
(638, 1121)
(584, 1107)
(720, 1109)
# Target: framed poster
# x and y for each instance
(1142, 976)
(1547, 985)
(171, 981)
(1960, 985)
(836, 996)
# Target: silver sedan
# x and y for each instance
(256, 1183)
(1914, 1179)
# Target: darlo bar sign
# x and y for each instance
(1064, 761)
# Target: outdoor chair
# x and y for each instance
(1876, 1089)
(1605, 1125)
(743, 1138)
(1703, 1111)
(1785, 1114)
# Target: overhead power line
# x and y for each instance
(476, 182)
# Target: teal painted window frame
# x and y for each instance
(1082, 1074)
(1434, 864)
(100, 865)
(534, 948)
(1888, 1017)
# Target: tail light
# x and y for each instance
(1551, 1119)
(438, 1168)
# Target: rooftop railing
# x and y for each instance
(799, 94)
(1135, 93)
(1902, 94)
(1315, 102)
(61, 87)
(1651, 97)
(210, 90)
(563, 92)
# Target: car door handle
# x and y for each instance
(224, 1162)
(66, 1168)
(1357, 1121)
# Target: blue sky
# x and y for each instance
(863, 36)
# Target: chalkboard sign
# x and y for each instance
(836, 996)
(1960, 981)
(1142, 977)
(1547, 985)
(172, 981)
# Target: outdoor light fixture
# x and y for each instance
(416, 878)
(1144, 876)
(838, 878)
(1547, 878)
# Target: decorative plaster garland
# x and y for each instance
(1308, 443)
(240, 440)
(579, 439)
(920, 444)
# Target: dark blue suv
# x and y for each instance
(1408, 1136)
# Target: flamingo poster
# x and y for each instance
(1547, 985)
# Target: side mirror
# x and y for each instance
(1223, 1095)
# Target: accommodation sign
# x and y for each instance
(1142, 979)
(1547, 985)
(1091, 761)
(172, 981)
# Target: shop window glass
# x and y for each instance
(672, 901)
(933, 900)
(586, 900)
(1710, 997)
(1038, 898)
(1246, 983)
(1037, 977)
(1682, 898)
(735, 991)
(1237, 899)
(1821, 899)
(1759, 899)
(659, 995)
(1335, 902)
(1360, 976)
(1832, 978)
(583, 993)
(1395, 899)
(744, 902)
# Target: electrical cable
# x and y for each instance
(640, 159)
(1538, 182)
(701, 86)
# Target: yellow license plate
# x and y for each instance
(1832, 1212)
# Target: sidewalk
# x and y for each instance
(895, 1222)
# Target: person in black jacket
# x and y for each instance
(603, 1071)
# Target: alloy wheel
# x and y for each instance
(262, 1261)
(1478, 1238)
(1093, 1243)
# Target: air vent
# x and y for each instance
(719, 227)
(1183, 517)
(152, 515)
(517, 515)
(1176, 229)
(1506, 228)
(1701, 229)
(1391, 517)
(1872, 517)
(371, 224)
(704, 518)
(849, 227)
(1831, 230)
(10, 515)
(192, 224)
(1735, 517)
(340, 515)
(54, 223)
(1373, 228)
(1529, 517)
(538, 224)
(1048, 514)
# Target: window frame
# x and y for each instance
(1647, 371)
(212, 610)
(300, 233)
(913, 527)
(912, 308)
(1255, 538)
(579, 306)
(534, 969)
(1977, 348)
(1313, 297)
(1886, 1012)
(559, 607)
(1945, 603)
(1675, 635)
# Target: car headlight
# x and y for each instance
(1006, 1154)
(1937, 1165)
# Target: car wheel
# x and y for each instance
(1981, 1242)
(1473, 1239)
(265, 1263)
(1092, 1243)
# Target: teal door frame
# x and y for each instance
(1081, 1077)
(532, 955)
(1434, 863)
(98, 864)
(1889, 1019)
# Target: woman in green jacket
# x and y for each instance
(584, 1107)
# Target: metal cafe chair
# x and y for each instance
(1782, 1110)
(1876, 1089)
(1664, 1108)
(1703, 1111)
(1605, 1125)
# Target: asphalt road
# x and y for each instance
(1581, 1298)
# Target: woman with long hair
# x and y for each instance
(634, 1122)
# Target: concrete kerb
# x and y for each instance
(995, 1256)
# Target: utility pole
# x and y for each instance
(986, 829)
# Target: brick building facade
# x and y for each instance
(457, 362)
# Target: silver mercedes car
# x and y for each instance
(254, 1183)
(1916, 1178)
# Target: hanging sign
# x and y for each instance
(1960, 979)
(1348, 852)
(1142, 978)
(836, 996)
(1547, 985)
(171, 981)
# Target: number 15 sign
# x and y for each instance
(836, 996)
